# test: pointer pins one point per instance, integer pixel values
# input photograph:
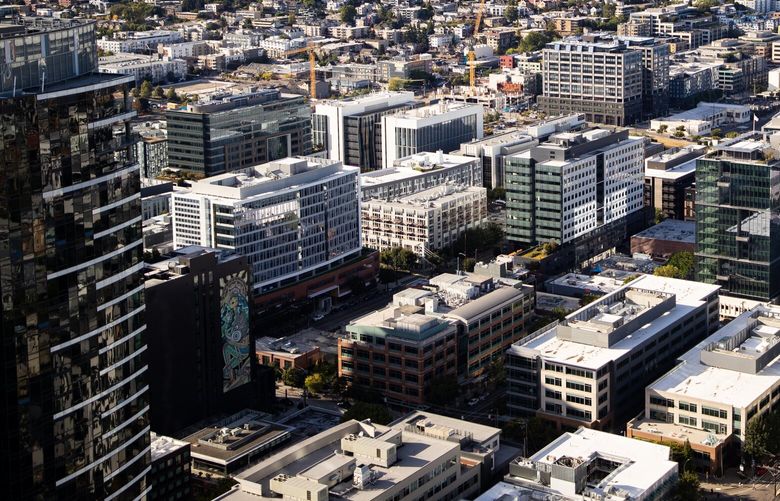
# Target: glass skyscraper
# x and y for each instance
(737, 218)
(72, 387)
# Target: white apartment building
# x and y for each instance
(719, 387)
(142, 67)
(291, 217)
(139, 41)
(426, 221)
(590, 369)
(422, 455)
(277, 47)
(184, 49)
(420, 172)
(441, 126)
(347, 129)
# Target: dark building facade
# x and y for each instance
(73, 389)
(363, 137)
(169, 476)
(738, 218)
(200, 350)
(668, 175)
(237, 131)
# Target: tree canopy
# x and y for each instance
(536, 40)
(377, 413)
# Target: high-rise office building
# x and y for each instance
(577, 187)
(73, 385)
(350, 131)
(600, 78)
(237, 131)
(200, 351)
(292, 218)
(738, 218)
(441, 126)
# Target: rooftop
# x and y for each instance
(162, 445)
(589, 464)
(590, 283)
(737, 364)
(617, 323)
(434, 197)
(437, 109)
(412, 166)
(672, 230)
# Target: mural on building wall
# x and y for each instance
(234, 315)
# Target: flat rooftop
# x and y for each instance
(162, 445)
(688, 296)
(413, 166)
(673, 230)
(593, 283)
(433, 197)
(478, 432)
(436, 109)
(693, 378)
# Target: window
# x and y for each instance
(718, 413)
(573, 385)
(553, 381)
(685, 406)
(552, 394)
(578, 400)
(686, 420)
(579, 372)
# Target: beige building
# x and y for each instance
(720, 386)
(429, 220)
(417, 457)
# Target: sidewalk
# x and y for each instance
(731, 486)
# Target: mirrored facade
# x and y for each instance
(73, 381)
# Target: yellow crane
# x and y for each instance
(312, 67)
(472, 55)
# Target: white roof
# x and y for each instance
(689, 295)
(693, 379)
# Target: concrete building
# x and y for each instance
(291, 218)
(141, 67)
(425, 221)
(295, 351)
(590, 369)
(235, 442)
(234, 131)
(492, 150)
(717, 389)
(420, 172)
(455, 328)
(403, 68)
(139, 41)
(668, 176)
(600, 78)
(701, 120)
(590, 464)
(578, 188)
(73, 378)
(578, 285)
(200, 353)
(655, 73)
(169, 476)
(350, 130)
(665, 238)
(442, 126)
(420, 455)
(738, 218)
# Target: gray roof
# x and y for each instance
(486, 303)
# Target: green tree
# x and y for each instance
(469, 263)
(398, 258)
(716, 133)
(158, 92)
(667, 271)
(377, 413)
(536, 40)
(171, 95)
(510, 13)
(659, 215)
(247, 24)
(732, 134)
(684, 262)
(587, 299)
(687, 488)
(146, 90)
(395, 84)
(294, 377)
(663, 128)
(757, 435)
(348, 13)
(315, 383)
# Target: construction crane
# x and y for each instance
(312, 67)
(472, 55)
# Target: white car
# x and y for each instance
(474, 401)
(318, 317)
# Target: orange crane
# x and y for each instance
(312, 67)
(472, 55)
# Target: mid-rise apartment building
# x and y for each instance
(590, 369)
(426, 221)
(493, 150)
(655, 73)
(455, 328)
(583, 188)
(667, 177)
(292, 218)
(231, 132)
(718, 388)
(350, 130)
(421, 456)
(420, 172)
(600, 78)
(442, 126)
(738, 218)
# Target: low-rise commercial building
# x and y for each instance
(665, 238)
(719, 387)
(590, 464)
(701, 120)
(589, 369)
(290, 352)
(426, 221)
(421, 455)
